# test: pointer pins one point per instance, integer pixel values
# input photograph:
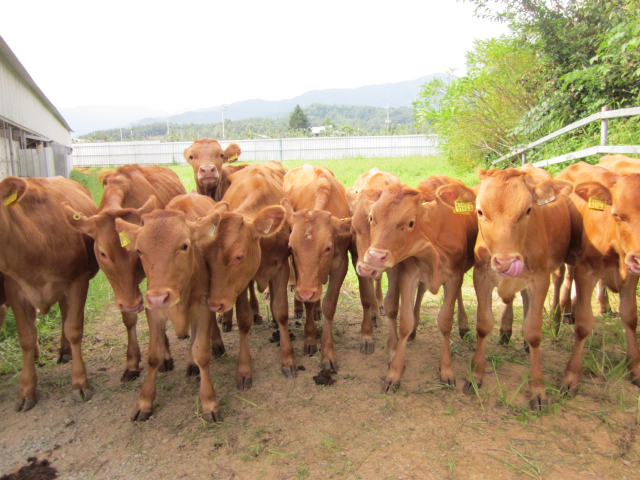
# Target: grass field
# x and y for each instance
(296, 429)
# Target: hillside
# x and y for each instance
(346, 120)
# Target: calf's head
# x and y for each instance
(121, 266)
(207, 157)
(316, 238)
(234, 253)
(505, 203)
(361, 232)
(165, 243)
(619, 201)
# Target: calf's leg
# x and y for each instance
(310, 332)
(629, 318)
(392, 305)
(445, 323)
(329, 361)
(201, 351)
(532, 330)
(422, 289)
(280, 310)
(244, 314)
(255, 306)
(155, 356)
(132, 371)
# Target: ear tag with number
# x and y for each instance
(124, 239)
(460, 206)
(596, 204)
(233, 157)
(13, 196)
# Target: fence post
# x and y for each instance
(604, 130)
(12, 152)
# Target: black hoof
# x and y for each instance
(257, 320)
(537, 403)
(382, 312)
(412, 336)
(129, 375)
(80, 395)
(463, 333)
(317, 316)
(330, 366)
(390, 387)
(636, 381)
(450, 382)
(193, 371)
(565, 390)
(166, 365)
(226, 327)
(298, 314)
(25, 404)
(367, 348)
(184, 337)
(310, 349)
(141, 416)
(64, 358)
(244, 383)
(217, 350)
(505, 338)
(468, 387)
(526, 347)
(211, 417)
(290, 372)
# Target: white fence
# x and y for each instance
(313, 148)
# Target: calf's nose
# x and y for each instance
(208, 169)
(306, 294)
(375, 257)
(158, 301)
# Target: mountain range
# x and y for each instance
(87, 119)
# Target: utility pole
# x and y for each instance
(388, 120)
(223, 109)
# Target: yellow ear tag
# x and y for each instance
(198, 218)
(13, 196)
(424, 202)
(124, 239)
(596, 204)
(76, 216)
(232, 157)
(460, 206)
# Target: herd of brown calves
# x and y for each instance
(204, 253)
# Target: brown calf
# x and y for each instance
(606, 208)
(207, 157)
(177, 289)
(524, 237)
(250, 244)
(317, 212)
(418, 233)
(126, 189)
(44, 261)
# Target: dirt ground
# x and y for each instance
(296, 429)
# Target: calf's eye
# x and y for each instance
(185, 247)
(411, 223)
(528, 210)
(479, 213)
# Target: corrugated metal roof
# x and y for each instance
(7, 54)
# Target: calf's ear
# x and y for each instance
(128, 233)
(342, 226)
(288, 211)
(449, 194)
(82, 224)
(12, 189)
(205, 228)
(221, 207)
(269, 221)
(135, 215)
(352, 196)
(587, 190)
(232, 153)
(187, 155)
(547, 191)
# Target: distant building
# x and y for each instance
(41, 136)
(318, 130)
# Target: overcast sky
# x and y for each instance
(184, 54)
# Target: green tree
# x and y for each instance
(298, 119)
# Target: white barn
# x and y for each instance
(41, 136)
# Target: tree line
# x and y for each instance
(339, 120)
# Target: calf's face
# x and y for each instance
(621, 203)
(361, 231)
(315, 236)
(121, 266)
(234, 253)
(165, 243)
(207, 157)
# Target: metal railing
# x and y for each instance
(603, 116)
(111, 154)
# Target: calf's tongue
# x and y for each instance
(514, 269)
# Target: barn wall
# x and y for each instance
(21, 106)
